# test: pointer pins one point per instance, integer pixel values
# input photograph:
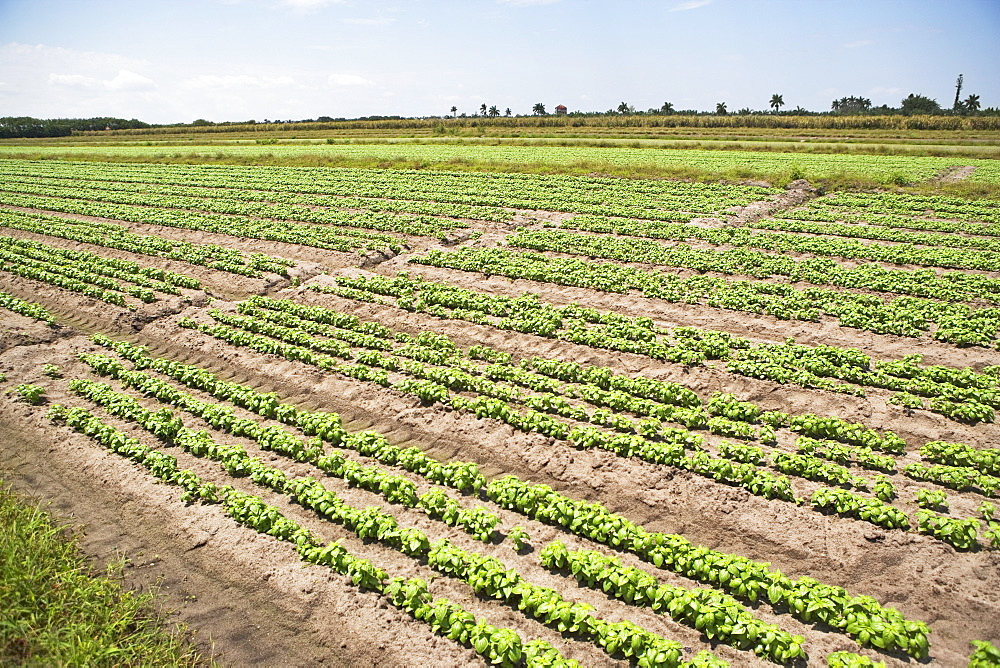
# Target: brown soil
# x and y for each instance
(253, 603)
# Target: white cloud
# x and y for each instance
(690, 4)
(75, 80)
(858, 43)
(879, 90)
(309, 4)
(368, 22)
(128, 80)
(125, 80)
(230, 81)
(341, 79)
(526, 3)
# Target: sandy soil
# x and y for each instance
(252, 602)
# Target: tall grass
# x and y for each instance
(760, 121)
(55, 612)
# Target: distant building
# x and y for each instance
(560, 110)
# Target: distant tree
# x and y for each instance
(538, 109)
(507, 112)
(720, 109)
(958, 91)
(454, 110)
(667, 108)
(971, 103)
(624, 108)
(851, 105)
(494, 112)
(482, 109)
(919, 104)
(777, 102)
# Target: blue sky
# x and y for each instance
(167, 61)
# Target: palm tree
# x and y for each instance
(720, 109)
(507, 112)
(777, 102)
(538, 109)
(667, 108)
(454, 110)
(482, 108)
(494, 112)
(971, 103)
(623, 108)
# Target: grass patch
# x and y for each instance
(55, 612)
(779, 177)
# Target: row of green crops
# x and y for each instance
(603, 527)
(497, 645)
(432, 369)
(952, 286)
(959, 252)
(385, 222)
(106, 279)
(109, 235)
(237, 192)
(903, 316)
(666, 200)
(26, 308)
(950, 391)
(318, 236)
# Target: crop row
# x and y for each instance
(557, 381)
(878, 232)
(949, 287)
(110, 235)
(850, 217)
(742, 237)
(29, 309)
(950, 390)
(106, 279)
(805, 598)
(486, 575)
(318, 236)
(666, 200)
(496, 645)
(938, 206)
(441, 384)
(593, 384)
(237, 192)
(904, 316)
(478, 522)
(415, 225)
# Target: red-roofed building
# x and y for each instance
(560, 109)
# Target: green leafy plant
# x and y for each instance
(931, 498)
(984, 656)
(519, 537)
(962, 534)
(851, 660)
(32, 394)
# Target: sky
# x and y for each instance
(175, 61)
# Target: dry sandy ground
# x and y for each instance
(253, 603)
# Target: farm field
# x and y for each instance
(577, 158)
(363, 416)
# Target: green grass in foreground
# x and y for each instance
(55, 612)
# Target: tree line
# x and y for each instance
(27, 127)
